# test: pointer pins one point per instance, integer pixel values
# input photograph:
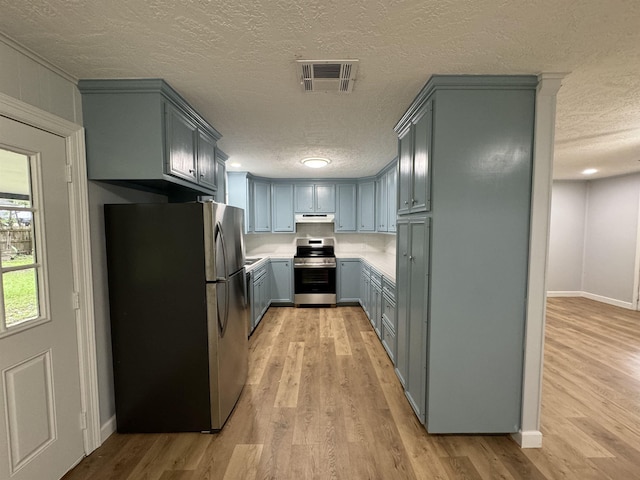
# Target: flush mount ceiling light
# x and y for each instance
(315, 162)
(235, 165)
(589, 171)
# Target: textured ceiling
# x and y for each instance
(235, 62)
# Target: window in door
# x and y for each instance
(22, 289)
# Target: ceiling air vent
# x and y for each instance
(327, 75)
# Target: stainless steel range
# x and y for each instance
(314, 271)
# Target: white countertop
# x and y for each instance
(383, 262)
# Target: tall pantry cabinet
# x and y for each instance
(465, 165)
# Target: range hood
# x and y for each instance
(314, 217)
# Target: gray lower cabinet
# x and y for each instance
(388, 334)
(282, 282)
(365, 290)
(349, 279)
(389, 325)
(375, 302)
(260, 294)
(142, 133)
(412, 295)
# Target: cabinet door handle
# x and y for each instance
(413, 201)
(192, 172)
(406, 203)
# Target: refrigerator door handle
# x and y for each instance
(222, 323)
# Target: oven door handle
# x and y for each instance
(313, 266)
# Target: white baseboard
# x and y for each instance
(610, 301)
(564, 294)
(528, 439)
(108, 428)
(592, 296)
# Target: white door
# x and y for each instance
(40, 403)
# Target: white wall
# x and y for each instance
(285, 243)
(31, 79)
(99, 195)
(611, 238)
(594, 239)
(566, 237)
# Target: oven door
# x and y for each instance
(314, 285)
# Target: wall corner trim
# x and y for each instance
(528, 439)
(544, 132)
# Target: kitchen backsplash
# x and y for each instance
(285, 243)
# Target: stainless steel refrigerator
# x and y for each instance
(179, 314)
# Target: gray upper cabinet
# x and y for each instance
(261, 206)
(466, 154)
(182, 153)
(354, 203)
(304, 198)
(239, 196)
(381, 203)
(325, 198)
(386, 198)
(315, 198)
(367, 206)
(282, 207)
(221, 176)
(144, 133)
(392, 198)
(346, 217)
(207, 164)
(414, 157)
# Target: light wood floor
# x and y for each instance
(322, 401)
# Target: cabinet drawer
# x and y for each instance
(389, 288)
(259, 272)
(389, 311)
(366, 268)
(388, 338)
(376, 277)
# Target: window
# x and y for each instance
(21, 268)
